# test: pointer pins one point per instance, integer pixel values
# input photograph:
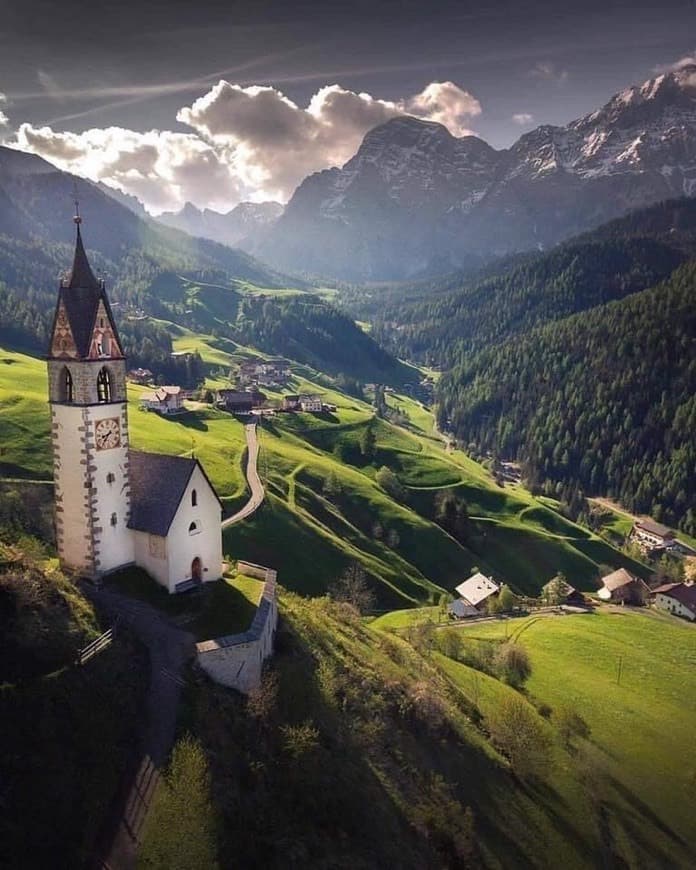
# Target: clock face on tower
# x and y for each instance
(107, 433)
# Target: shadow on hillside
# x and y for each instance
(190, 420)
(379, 781)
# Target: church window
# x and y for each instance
(104, 386)
(66, 386)
(110, 477)
(193, 528)
(101, 322)
(114, 519)
(194, 498)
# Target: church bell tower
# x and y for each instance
(89, 425)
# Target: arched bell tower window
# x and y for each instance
(66, 386)
(194, 498)
(104, 386)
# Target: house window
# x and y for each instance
(193, 528)
(114, 519)
(194, 498)
(66, 386)
(104, 386)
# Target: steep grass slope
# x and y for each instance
(325, 507)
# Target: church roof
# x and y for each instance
(158, 483)
(80, 293)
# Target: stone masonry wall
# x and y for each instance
(237, 659)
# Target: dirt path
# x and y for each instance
(252, 475)
(169, 649)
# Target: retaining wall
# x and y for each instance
(237, 659)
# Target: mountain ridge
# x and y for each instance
(414, 198)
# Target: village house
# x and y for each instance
(259, 371)
(310, 404)
(623, 588)
(239, 401)
(164, 400)
(290, 403)
(140, 376)
(562, 593)
(651, 536)
(117, 507)
(474, 594)
(677, 598)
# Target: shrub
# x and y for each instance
(518, 732)
(180, 830)
(512, 663)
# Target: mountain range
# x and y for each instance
(239, 228)
(416, 200)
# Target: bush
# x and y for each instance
(180, 829)
(518, 732)
(512, 664)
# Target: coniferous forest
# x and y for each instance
(579, 362)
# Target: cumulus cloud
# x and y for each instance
(246, 142)
(523, 118)
(683, 63)
(688, 62)
(548, 71)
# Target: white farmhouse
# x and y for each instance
(677, 598)
(114, 506)
(165, 400)
(473, 595)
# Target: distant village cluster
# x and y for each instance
(244, 396)
(480, 595)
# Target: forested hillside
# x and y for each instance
(438, 322)
(605, 400)
(568, 360)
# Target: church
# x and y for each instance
(115, 506)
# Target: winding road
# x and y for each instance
(252, 475)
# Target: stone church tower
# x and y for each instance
(89, 426)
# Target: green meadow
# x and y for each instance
(325, 508)
(632, 677)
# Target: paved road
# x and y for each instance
(169, 649)
(252, 475)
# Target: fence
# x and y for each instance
(97, 646)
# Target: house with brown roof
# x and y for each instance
(164, 400)
(623, 588)
(239, 401)
(650, 535)
(677, 598)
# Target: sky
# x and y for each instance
(221, 102)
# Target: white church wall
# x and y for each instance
(151, 555)
(205, 543)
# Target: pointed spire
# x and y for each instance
(81, 274)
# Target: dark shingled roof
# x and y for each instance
(81, 293)
(158, 483)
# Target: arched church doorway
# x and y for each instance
(197, 570)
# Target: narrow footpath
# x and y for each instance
(169, 648)
(252, 475)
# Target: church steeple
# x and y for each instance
(81, 274)
(83, 327)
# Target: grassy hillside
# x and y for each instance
(325, 506)
(642, 784)
(367, 748)
(67, 732)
